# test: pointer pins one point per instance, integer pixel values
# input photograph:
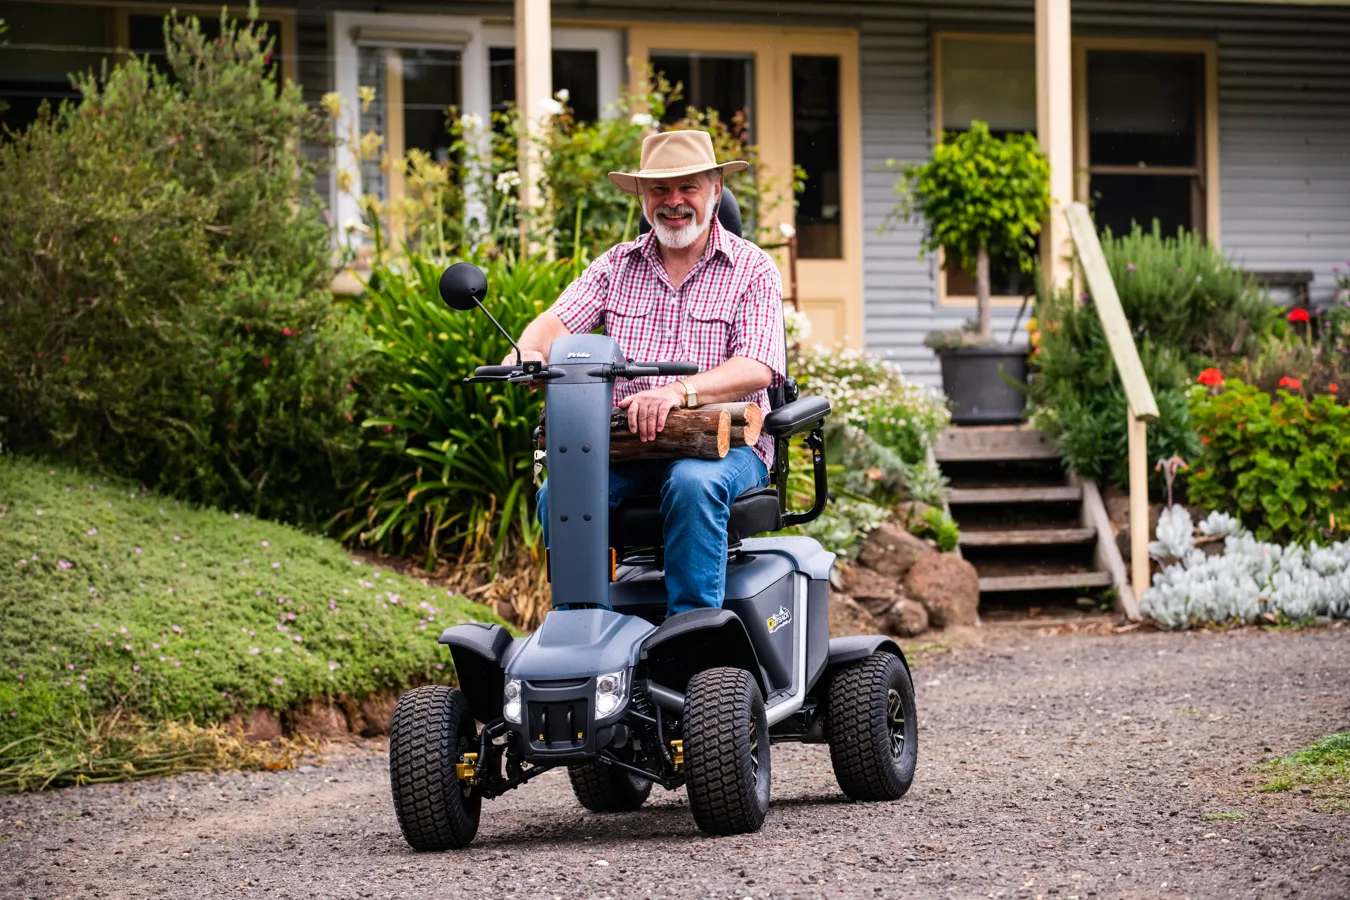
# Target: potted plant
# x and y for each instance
(980, 196)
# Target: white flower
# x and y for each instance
(550, 107)
(787, 230)
(641, 119)
(563, 95)
(471, 121)
(508, 180)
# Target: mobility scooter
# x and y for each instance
(611, 688)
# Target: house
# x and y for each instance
(1229, 118)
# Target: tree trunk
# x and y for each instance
(689, 433)
(982, 295)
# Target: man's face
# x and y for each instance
(680, 208)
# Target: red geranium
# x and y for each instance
(1298, 315)
(1211, 377)
(1292, 384)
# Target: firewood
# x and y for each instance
(747, 421)
(703, 433)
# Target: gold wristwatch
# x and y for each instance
(690, 394)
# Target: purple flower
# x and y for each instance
(279, 680)
(124, 647)
(138, 549)
(62, 564)
(254, 650)
(92, 531)
(177, 630)
(135, 668)
(266, 544)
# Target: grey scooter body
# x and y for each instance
(539, 698)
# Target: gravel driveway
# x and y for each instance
(1064, 766)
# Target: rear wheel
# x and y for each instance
(726, 751)
(874, 728)
(432, 731)
(602, 788)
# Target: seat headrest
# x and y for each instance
(728, 214)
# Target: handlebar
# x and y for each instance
(494, 370)
(534, 370)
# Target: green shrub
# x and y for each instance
(116, 600)
(1188, 308)
(164, 313)
(1278, 465)
(458, 466)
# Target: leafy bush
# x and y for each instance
(1312, 360)
(164, 313)
(1188, 307)
(979, 197)
(119, 601)
(1250, 580)
(1279, 465)
(458, 466)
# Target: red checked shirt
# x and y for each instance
(731, 304)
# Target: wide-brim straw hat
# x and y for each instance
(671, 154)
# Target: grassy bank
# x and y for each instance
(119, 603)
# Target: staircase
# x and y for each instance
(1037, 536)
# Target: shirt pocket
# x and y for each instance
(711, 326)
(630, 320)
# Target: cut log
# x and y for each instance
(689, 433)
(747, 422)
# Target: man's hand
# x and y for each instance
(647, 410)
(525, 356)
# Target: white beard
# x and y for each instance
(679, 238)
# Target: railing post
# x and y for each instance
(534, 88)
(1139, 565)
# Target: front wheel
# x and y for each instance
(874, 728)
(726, 751)
(432, 731)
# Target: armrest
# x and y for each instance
(797, 416)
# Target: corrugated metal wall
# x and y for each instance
(1284, 124)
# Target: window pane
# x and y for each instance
(1143, 108)
(1122, 200)
(370, 69)
(44, 44)
(720, 81)
(577, 71)
(431, 81)
(815, 147)
(993, 81)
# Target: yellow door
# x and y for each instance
(800, 90)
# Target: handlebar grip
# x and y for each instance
(494, 370)
(670, 368)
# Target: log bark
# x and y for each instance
(689, 433)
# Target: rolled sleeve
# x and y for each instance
(581, 306)
(758, 330)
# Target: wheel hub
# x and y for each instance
(895, 721)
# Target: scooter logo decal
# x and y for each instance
(779, 619)
(578, 356)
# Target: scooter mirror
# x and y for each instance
(463, 286)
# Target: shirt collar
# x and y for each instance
(719, 244)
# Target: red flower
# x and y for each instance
(286, 331)
(267, 361)
(1298, 315)
(1333, 387)
(1211, 377)
(1292, 383)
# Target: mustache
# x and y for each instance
(683, 209)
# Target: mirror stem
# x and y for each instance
(503, 331)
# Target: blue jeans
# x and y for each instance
(696, 496)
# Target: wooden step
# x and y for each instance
(1029, 537)
(986, 443)
(1057, 581)
(1047, 494)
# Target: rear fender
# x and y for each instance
(846, 650)
(699, 639)
(480, 653)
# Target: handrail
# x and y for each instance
(1143, 408)
(1117, 328)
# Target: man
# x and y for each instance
(687, 291)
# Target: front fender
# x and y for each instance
(480, 652)
(851, 649)
(699, 639)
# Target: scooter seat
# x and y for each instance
(637, 522)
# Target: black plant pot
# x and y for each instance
(976, 381)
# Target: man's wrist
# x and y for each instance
(677, 391)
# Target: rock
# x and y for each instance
(910, 512)
(506, 609)
(905, 618)
(318, 718)
(890, 550)
(873, 590)
(948, 587)
(848, 618)
(258, 725)
(377, 712)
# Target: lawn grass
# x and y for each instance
(119, 603)
(1324, 768)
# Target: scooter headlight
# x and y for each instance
(511, 704)
(609, 694)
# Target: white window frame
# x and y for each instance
(473, 37)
